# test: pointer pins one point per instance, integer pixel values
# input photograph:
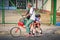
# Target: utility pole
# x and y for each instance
(54, 12)
(3, 12)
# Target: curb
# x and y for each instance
(4, 32)
(57, 32)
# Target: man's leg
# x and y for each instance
(25, 21)
(28, 25)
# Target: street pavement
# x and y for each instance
(50, 32)
(43, 37)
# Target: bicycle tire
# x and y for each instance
(12, 31)
(37, 32)
(41, 31)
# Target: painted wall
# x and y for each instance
(58, 5)
(39, 3)
(6, 5)
(47, 6)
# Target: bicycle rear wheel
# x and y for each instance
(15, 32)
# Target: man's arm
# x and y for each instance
(24, 14)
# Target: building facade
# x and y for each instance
(15, 4)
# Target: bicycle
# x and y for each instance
(17, 32)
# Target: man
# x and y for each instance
(31, 19)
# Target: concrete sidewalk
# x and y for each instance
(5, 29)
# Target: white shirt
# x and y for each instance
(32, 12)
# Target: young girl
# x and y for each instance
(36, 24)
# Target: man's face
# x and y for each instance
(28, 6)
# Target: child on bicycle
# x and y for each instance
(37, 21)
(36, 24)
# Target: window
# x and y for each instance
(0, 2)
(34, 1)
(21, 4)
(12, 2)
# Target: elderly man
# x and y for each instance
(31, 16)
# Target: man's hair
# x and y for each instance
(30, 4)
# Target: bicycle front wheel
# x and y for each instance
(15, 32)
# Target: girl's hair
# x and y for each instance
(38, 15)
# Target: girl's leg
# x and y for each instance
(38, 27)
(34, 28)
(31, 27)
